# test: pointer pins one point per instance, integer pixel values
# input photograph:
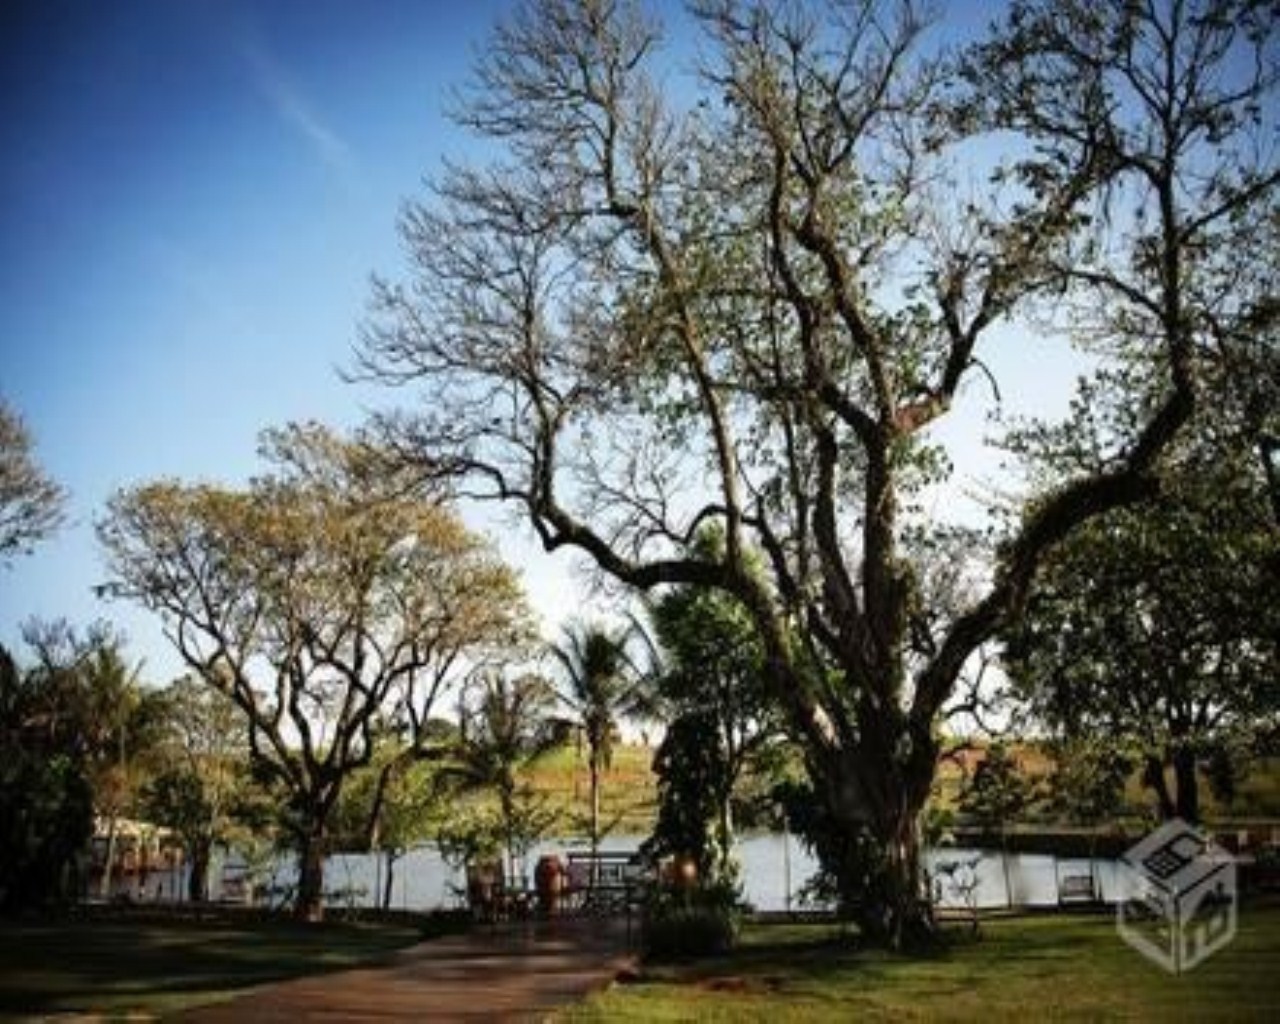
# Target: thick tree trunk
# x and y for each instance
(310, 899)
(198, 881)
(874, 849)
(896, 911)
(1153, 778)
(1187, 792)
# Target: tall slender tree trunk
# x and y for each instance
(104, 884)
(593, 767)
(112, 825)
(1004, 867)
(595, 807)
(392, 857)
(508, 802)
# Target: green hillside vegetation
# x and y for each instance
(1257, 793)
(629, 797)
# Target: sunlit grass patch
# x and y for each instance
(1041, 967)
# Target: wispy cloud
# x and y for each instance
(274, 83)
(194, 281)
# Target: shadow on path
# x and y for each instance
(510, 972)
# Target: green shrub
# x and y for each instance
(682, 923)
(681, 933)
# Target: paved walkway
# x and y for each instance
(508, 972)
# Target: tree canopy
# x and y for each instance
(742, 296)
(66, 722)
(723, 721)
(329, 605)
(505, 725)
(31, 504)
(200, 774)
(1156, 627)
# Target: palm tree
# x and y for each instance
(96, 685)
(507, 728)
(129, 720)
(601, 685)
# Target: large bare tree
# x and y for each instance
(328, 606)
(743, 295)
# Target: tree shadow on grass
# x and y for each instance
(99, 963)
(784, 957)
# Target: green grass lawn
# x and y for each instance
(1032, 968)
(128, 962)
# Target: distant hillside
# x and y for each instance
(629, 794)
(628, 797)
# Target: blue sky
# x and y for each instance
(193, 194)
(192, 197)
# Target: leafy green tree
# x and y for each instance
(65, 728)
(326, 601)
(1086, 783)
(723, 721)
(393, 804)
(200, 774)
(128, 715)
(46, 804)
(691, 774)
(745, 297)
(994, 796)
(117, 713)
(601, 684)
(411, 807)
(1156, 627)
(31, 504)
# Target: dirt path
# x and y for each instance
(511, 972)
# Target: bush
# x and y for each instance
(686, 923)
(681, 933)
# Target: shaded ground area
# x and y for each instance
(145, 960)
(508, 972)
